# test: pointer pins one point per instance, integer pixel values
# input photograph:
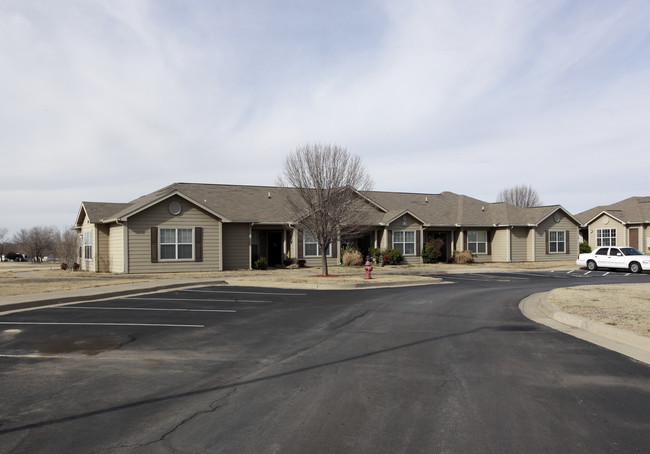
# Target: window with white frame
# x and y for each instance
(176, 244)
(477, 241)
(88, 245)
(312, 248)
(605, 237)
(556, 241)
(404, 240)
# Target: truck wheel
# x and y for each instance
(591, 265)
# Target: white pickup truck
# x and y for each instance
(621, 257)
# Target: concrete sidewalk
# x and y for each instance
(539, 309)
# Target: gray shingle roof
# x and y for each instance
(265, 204)
(630, 210)
(97, 212)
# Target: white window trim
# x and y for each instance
(557, 242)
(404, 243)
(305, 241)
(478, 242)
(612, 239)
(176, 244)
(88, 245)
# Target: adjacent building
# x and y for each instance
(624, 223)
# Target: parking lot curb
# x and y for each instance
(370, 284)
(538, 308)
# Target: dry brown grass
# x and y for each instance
(623, 306)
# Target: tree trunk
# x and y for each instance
(323, 255)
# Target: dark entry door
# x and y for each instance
(444, 236)
(275, 248)
(634, 238)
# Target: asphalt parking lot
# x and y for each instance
(100, 326)
(435, 368)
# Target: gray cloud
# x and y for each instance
(111, 100)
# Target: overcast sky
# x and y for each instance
(110, 100)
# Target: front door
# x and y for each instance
(634, 238)
(444, 238)
(274, 252)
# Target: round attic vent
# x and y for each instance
(175, 208)
(557, 217)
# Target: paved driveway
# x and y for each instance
(444, 368)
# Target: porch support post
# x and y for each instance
(284, 245)
(250, 246)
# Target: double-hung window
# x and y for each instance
(312, 248)
(605, 237)
(404, 240)
(176, 244)
(556, 241)
(477, 242)
(88, 245)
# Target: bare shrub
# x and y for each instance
(352, 258)
(463, 257)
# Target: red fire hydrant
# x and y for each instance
(368, 270)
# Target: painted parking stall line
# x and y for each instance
(106, 308)
(156, 325)
(229, 292)
(199, 300)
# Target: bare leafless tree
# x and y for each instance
(520, 195)
(3, 243)
(37, 241)
(67, 247)
(321, 184)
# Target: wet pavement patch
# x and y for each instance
(520, 328)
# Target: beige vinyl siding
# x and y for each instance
(607, 222)
(563, 225)
(315, 262)
(519, 244)
(139, 241)
(411, 225)
(116, 248)
(102, 261)
(236, 249)
(500, 245)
